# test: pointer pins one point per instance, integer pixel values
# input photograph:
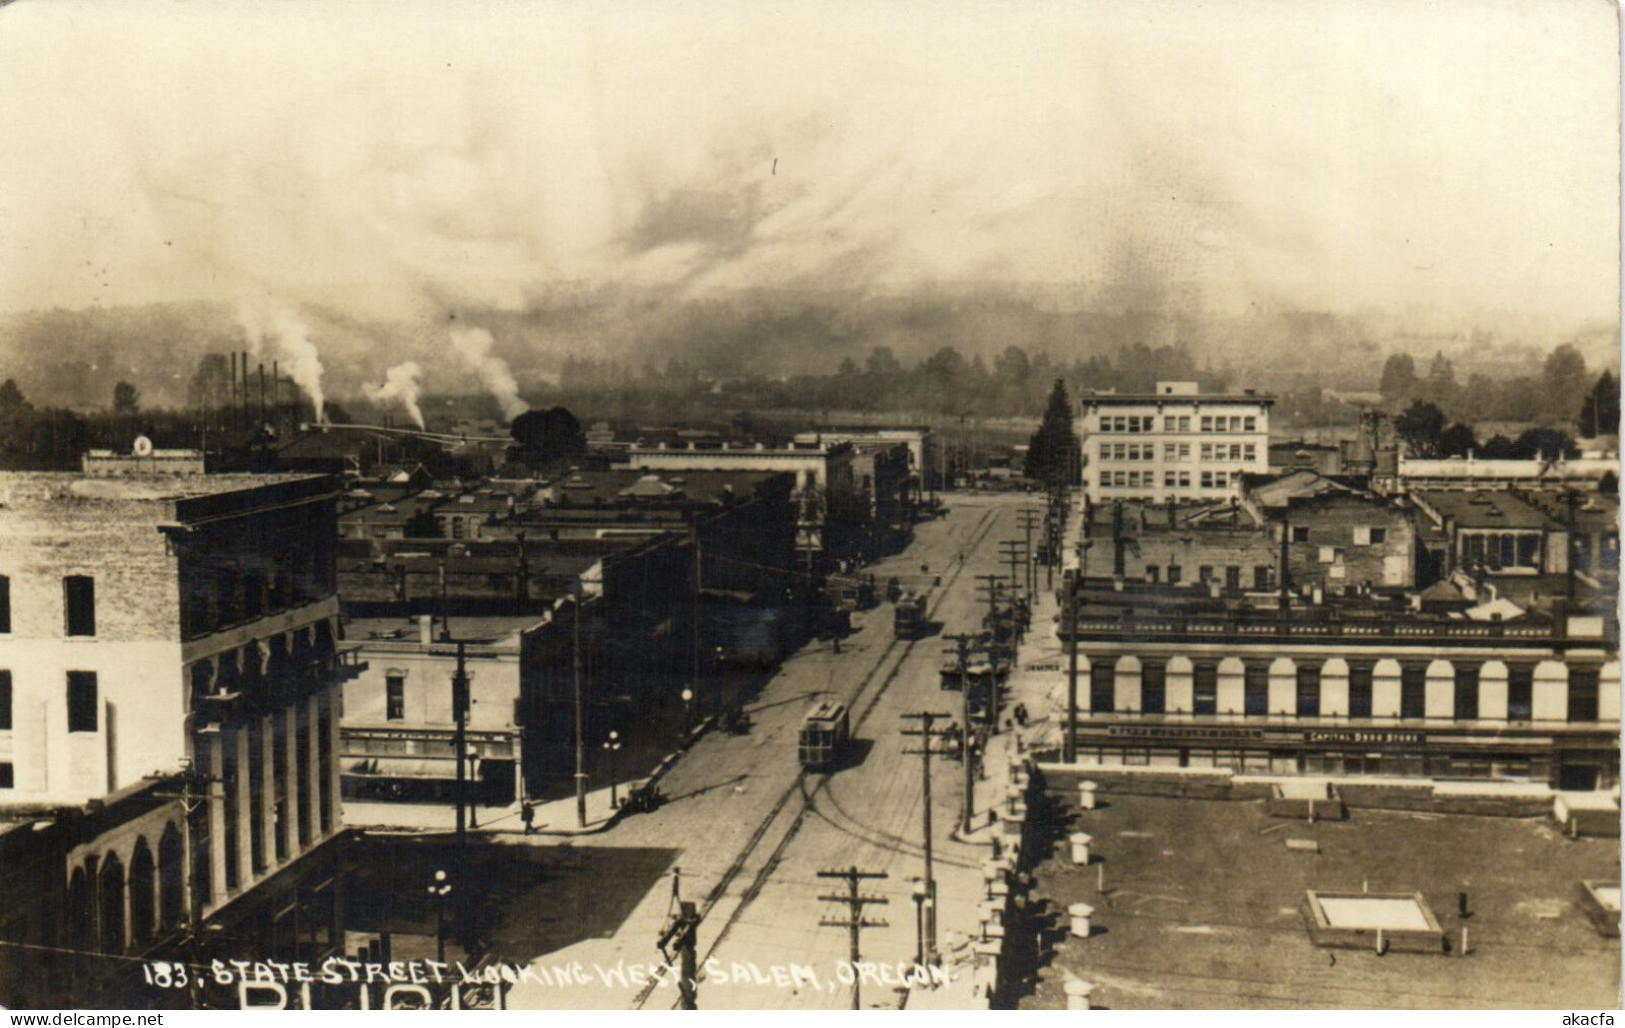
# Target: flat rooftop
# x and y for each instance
(1204, 910)
(155, 488)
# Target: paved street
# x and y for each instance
(749, 831)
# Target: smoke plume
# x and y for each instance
(474, 346)
(403, 383)
(293, 348)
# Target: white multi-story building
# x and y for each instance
(1173, 444)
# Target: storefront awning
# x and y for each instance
(417, 769)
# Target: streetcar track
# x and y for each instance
(799, 785)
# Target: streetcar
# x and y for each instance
(824, 734)
(909, 619)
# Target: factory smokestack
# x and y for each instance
(402, 382)
(474, 346)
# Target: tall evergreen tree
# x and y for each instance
(1052, 453)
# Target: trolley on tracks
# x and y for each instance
(824, 734)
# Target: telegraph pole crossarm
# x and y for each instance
(963, 641)
(681, 934)
(855, 921)
(926, 732)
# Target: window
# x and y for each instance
(1207, 424)
(1261, 576)
(1184, 424)
(1169, 480)
(1205, 689)
(1413, 682)
(1466, 692)
(1251, 424)
(1308, 690)
(1300, 533)
(1153, 688)
(395, 698)
(1583, 694)
(1255, 695)
(1207, 451)
(1151, 573)
(1204, 573)
(1520, 692)
(1175, 573)
(1207, 480)
(5, 604)
(1185, 479)
(82, 701)
(1359, 689)
(1102, 682)
(5, 701)
(1170, 451)
(79, 592)
(8, 777)
(1170, 424)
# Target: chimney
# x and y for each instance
(1286, 541)
(426, 630)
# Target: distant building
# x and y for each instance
(918, 439)
(830, 512)
(1477, 473)
(1173, 444)
(398, 728)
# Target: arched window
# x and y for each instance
(143, 893)
(171, 877)
(110, 896)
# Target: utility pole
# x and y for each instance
(580, 716)
(926, 733)
(855, 921)
(459, 714)
(1011, 554)
(992, 583)
(1069, 741)
(1029, 521)
(964, 640)
(695, 643)
(681, 933)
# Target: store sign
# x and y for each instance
(425, 735)
(1382, 738)
(1163, 732)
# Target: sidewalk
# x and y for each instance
(553, 818)
(961, 889)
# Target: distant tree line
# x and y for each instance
(1014, 384)
(1563, 392)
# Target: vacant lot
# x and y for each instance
(1203, 898)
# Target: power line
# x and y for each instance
(855, 921)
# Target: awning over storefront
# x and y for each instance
(414, 768)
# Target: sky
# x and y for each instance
(1456, 156)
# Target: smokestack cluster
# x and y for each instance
(403, 383)
(292, 339)
(474, 346)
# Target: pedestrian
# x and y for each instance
(527, 814)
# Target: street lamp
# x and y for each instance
(611, 746)
(688, 710)
(919, 922)
(439, 891)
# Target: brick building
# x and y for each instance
(168, 651)
(831, 516)
(1346, 687)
